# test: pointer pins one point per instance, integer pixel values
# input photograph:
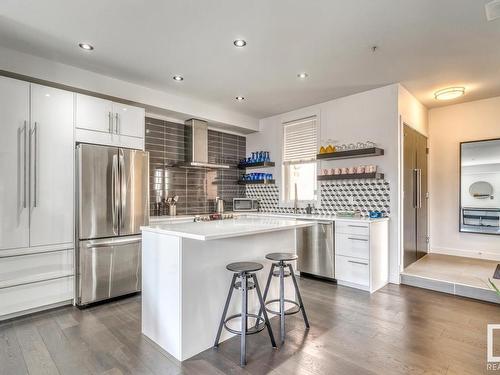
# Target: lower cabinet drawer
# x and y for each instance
(352, 245)
(353, 270)
(20, 298)
(350, 227)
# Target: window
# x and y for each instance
(300, 143)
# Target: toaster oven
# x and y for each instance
(245, 204)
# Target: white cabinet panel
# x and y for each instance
(35, 296)
(129, 120)
(352, 245)
(52, 149)
(352, 270)
(352, 228)
(94, 113)
(14, 128)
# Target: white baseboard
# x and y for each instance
(488, 255)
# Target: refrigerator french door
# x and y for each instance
(112, 206)
(415, 196)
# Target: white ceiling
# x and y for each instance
(424, 44)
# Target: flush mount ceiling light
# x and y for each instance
(240, 98)
(449, 93)
(178, 78)
(302, 75)
(86, 46)
(240, 43)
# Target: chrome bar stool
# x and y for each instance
(280, 265)
(245, 272)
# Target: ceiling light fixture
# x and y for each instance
(449, 93)
(178, 78)
(240, 98)
(303, 75)
(240, 43)
(86, 46)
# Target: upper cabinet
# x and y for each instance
(101, 121)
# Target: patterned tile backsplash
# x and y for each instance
(346, 195)
(196, 188)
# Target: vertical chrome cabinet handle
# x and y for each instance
(110, 123)
(34, 140)
(419, 184)
(415, 205)
(116, 123)
(24, 130)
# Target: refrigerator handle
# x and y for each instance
(123, 186)
(115, 194)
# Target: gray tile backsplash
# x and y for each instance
(196, 188)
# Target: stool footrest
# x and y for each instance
(251, 330)
(293, 310)
(285, 273)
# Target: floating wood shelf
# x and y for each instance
(260, 164)
(354, 176)
(358, 153)
(256, 182)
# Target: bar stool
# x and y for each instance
(280, 260)
(245, 271)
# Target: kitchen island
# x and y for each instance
(185, 281)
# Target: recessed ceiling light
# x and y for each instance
(240, 43)
(449, 93)
(240, 98)
(303, 75)
(86, 46)
(178, 78)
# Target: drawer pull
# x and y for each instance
(357, 226)
(358, 239)
(362, 263)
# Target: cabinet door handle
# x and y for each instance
(357, 239)
(357, 226)
(361, 263)
(34, 135)
(116, 123)
(110, 122)
(23, 141)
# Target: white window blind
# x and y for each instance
(300, 141)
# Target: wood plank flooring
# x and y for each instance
(398, 330)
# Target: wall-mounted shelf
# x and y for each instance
(358, 153)
(256, 182)
(260, 164)
(354, 176)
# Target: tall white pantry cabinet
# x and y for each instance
(36, 196)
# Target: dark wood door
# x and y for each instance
(409, 194)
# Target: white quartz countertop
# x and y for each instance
(218, 229)
(318, 217)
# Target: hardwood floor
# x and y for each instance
(398, 330)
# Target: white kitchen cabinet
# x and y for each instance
(362, 254)
(36, 197)
(14, 195)
(52, 160)
(101, 121)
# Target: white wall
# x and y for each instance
(371, 115)
(184, 107)
(448, 126)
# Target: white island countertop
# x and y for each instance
(218, 229)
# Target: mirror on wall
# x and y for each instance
(480, 186)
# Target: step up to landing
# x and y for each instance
(457, 289)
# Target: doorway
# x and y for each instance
(415, 193)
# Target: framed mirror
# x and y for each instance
(480, 186)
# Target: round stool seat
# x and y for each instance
(278, 257)
(244, 267)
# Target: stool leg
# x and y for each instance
(266, 290)
(263, 308)
(282, 302)
(299, 297)
(224, 313)
(244, 301)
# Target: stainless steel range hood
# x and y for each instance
(196, 132)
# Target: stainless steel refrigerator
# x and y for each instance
(415, 196)
(112, 204)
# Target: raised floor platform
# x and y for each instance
(466, 277)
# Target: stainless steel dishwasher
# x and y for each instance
(316, 249)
